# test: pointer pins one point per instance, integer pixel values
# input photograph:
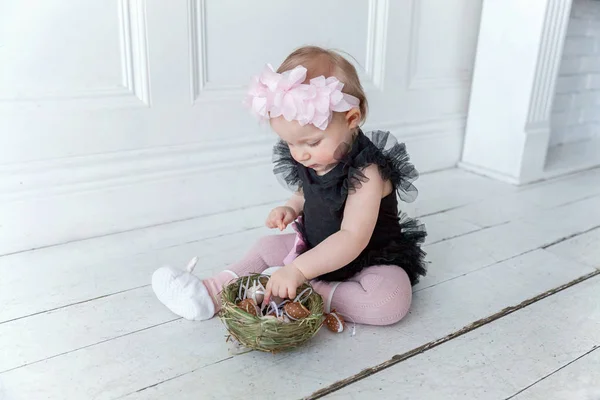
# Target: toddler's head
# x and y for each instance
(316, 122)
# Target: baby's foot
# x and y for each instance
(183, 293)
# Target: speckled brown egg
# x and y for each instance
(296, 310)
(249, 306)
(334, 322)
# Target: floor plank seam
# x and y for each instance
(90, 345)
(444, 210)
(73, 304)
(247, 229)
(554, 372)
(562, 177)
(543, 247)
(568, 203)
(546, 246)
(475, 270)
(481, 228)
(433, 344)
(173, 377)
(565, 238)
(139, 287)
(529, 187)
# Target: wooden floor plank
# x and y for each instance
(584, 248)
(450, 189)
(479, 249)
(443, 227)
(157, 236)
(330, 357)
(110, 369)
(496, 210)
(576, 217)
(78, 326)
(579, 379)
(88, 269)
(63, 270)
(82, 276)
(85, 270)
(564, 190)
(496, 360)
(61, 282)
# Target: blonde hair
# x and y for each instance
(319, 61)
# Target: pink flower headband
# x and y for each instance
(271, 95)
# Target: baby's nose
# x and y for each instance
(304, 156)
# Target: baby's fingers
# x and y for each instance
(291, 292)
(274, 220)
(267, 295)
(288, 218)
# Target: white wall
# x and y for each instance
(117, 114)
(576, 108)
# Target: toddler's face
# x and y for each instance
(313, 147)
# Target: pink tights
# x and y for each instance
(378, 295)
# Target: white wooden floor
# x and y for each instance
(510, 309)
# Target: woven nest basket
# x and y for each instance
(268, 334)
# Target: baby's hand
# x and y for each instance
(280, 217)
(284, 283)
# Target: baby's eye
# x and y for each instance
(315, 144)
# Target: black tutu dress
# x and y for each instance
(396, 239)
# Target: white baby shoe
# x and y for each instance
(183, 293)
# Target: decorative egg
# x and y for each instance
(284, 318)
(334, 322)
(255, 293)
(249, 306)
(296, 311)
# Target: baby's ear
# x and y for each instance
(353, 118)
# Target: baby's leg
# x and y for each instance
(378, 295)
(268, 251)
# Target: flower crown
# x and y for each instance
(272, 94)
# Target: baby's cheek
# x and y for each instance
(325, 156)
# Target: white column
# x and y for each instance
(518, 55)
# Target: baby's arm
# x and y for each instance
(296, 202)
(360, 217)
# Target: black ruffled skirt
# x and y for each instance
(400, 246)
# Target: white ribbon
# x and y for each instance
(353, 332)
(245, 287)
(192, 264)
(308, 289)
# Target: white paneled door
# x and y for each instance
(117, 114)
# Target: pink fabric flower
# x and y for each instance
(271, 95)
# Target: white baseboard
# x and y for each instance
(56, 201)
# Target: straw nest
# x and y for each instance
(264, 333)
